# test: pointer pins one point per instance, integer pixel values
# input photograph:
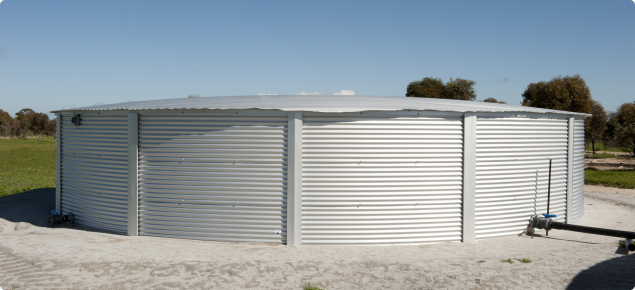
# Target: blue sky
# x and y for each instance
(56, 54)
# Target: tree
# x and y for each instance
(32, 121)
(460, 89)
(193, 96)
(24, 114)
(596, 125)
(493, 100)
(51, 128)
(624, 122)
(39, 123)
(5, 123)
(568, 93)
(610, 135)
(426, 88)
(16, 128)
(457, 89)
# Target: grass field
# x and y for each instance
(600, 155)
(26, 164)
(614, 178)
(599, 146)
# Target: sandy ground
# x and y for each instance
(34, 256)
(623, 161)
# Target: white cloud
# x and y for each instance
(261, 94)
(69, 107)
(345, 92)
(310, 93)
(99, 104)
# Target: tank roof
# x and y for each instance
(320, 103)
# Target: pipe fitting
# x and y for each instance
(59, 219)
(543, 223)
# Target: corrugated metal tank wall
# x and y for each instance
(577, 206)
(371, 178)
(213, 175)
(94, 170)
(512, 165)
(382, 178)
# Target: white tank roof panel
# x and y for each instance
(320, 103)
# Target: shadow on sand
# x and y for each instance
(34, 207)
(616, 273)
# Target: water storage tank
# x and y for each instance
(352, 170)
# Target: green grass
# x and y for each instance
(523, 260)
(614, 178)
(26, 164)
(600, 155)
(599, 146)
(310, 287)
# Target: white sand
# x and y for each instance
(33, 256)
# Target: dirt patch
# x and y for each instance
(622, 161)
(588, 188)
(42, 257)
(616, 153)
(22, 226)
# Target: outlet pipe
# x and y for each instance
(548, 224)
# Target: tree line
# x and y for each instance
(26, 122)
(569, 93)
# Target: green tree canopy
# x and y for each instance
(426, 88)
(568, 93)
(33, 121)
(494, 100)
(4, 117)
(624, 122)
(457, 89)
(24, 114)
(596, 125)
(460, 89)
(26, 121)
(5, 123)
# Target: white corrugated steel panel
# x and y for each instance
(380, 179)
(213, 176)
(94, 170)
(577, 206)
(323, 103)
(512, 164)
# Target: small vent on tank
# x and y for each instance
(76, 120)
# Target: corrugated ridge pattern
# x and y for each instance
(94, 166)
(381, 179)
(512, 164)
(577, 206)
(213, 176)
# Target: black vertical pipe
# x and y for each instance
(549, 188)
(549, 192)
